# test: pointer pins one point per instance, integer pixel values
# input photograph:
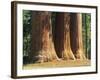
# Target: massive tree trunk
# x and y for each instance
(62, 36)
(42, 44)
(76, 35)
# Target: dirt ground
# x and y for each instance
(62, 63)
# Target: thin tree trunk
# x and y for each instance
(62, 36)
(76, 35)
(42, 44)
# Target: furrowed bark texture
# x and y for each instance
(67, 41)
(62, 36)
(42, 45)
(76, 35)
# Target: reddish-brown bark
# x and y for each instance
(62, 36)
(42, 44)
(76, 35)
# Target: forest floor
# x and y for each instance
(62, 63)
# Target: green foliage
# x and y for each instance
(86, 20)
(27, 32)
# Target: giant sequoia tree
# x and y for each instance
(42, 44)
(62, 36)
(76, 35)
(64, 42)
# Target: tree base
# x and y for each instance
(45, 56)
(68, 55)
(80, 55)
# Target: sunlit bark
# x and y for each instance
(76, 35)
(42, 44)
(62, 36)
